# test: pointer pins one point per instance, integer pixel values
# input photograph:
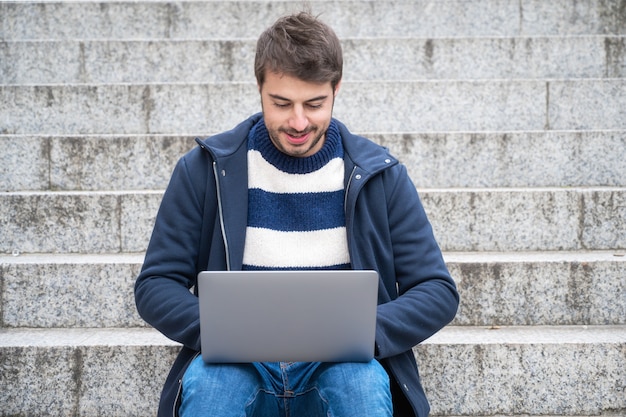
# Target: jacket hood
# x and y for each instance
(227, 143)
(367, 155)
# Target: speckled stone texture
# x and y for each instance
(434, 160)
(67, 291)
(538, 219)
(373, 18)
(552, 288)
(133, 61)
(83, 372)
(77, 222)
(540, 370)
(24, 163)
(566, 288)
(511, 159)
(114, 163)
(547, 372)
(89, 163)
(369, 106)
(483, 220)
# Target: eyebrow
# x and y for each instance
(278, 97)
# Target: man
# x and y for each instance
(292, 188)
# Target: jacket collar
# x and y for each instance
(359, 150)
(362, 159)
(367, 156)
(227, 143)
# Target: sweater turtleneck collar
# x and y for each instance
(258, 139)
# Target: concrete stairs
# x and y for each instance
(510, 116)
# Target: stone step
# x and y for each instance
(395, 59)
(91, 162)
(465, 370)
(539, 288)
(247, 19)
(69, 291)
(504, 289)
(547, 371)
(83, 372)
(412, 106)
(507, 219)
(434, 160)
(527, 219)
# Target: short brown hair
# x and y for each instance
(302, 46)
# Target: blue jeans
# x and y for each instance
(298, 389)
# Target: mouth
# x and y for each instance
(297, 138)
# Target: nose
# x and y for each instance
(298, 120)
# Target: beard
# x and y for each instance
(296, 150)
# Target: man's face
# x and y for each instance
(297, 113)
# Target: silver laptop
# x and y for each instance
(288, 316)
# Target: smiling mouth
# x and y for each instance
(297, 138)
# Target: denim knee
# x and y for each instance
(218, 389)
(355, 389)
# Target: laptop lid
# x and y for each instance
(288, 316)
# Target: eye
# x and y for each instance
(314, 106)
(281, 105)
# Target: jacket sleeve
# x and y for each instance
(162, 289)
(425, 298)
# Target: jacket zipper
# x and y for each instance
(345, 197)
(348, 212)
(221, 214)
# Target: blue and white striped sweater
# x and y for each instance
(296, 216)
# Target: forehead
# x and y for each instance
(293, 88)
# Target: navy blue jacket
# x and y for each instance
(201, 225)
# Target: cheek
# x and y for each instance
(271, 116)
(321, 120)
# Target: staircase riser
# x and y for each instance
(83, 381)
(369, 107)
(462, 220)
(446, 160)
(536, 159)
(96, 223)
(471, 379)
(72, 62)
(519, 220)
(195, 20)
(69, 295)
(534, 292)
(540, 293)
(536, 379)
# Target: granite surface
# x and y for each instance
(532, 289)
(192, 20)
(90, 374)
(463, 220)
(232, 60)
(465, 371)
(536, 291)
(69, 294)
(433, 160)
(538, 219)
(547, 371)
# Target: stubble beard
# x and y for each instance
(294, 150)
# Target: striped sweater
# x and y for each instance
(296, 216)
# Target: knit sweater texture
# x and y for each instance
(296, 216)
